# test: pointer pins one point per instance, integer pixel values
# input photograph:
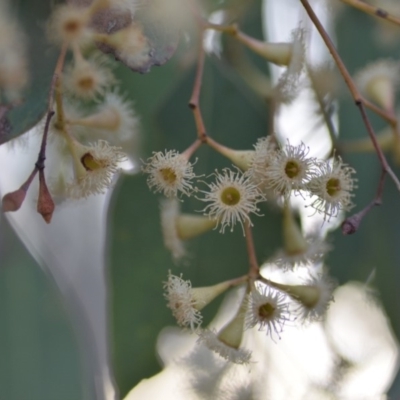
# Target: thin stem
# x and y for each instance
(194, 102)
(229, 29)
(27, 183)
(351, 224)
(192, 149)
(358, 99)
(254, 269)
(331, 47)
(385, 166)
(220, 148)
(42, 152)
(238, 281)
(372, 10)
(387, 116)
(57, 72)
(53, 86)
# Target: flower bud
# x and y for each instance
(227, 342)
(45, 205)
(294, 242)
(190, 226)
(314, 296)
(241, 158)
(186, 302)
(378, 82)
(13, 201)
(277, 53)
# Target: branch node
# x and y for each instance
(381, 13)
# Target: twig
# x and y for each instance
(351, 224)
(385, 166)
(372, 10)
(54, 82)
(389, 117)
(254, 269)
(360, 103)
(194, 102)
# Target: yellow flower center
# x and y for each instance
(169, 175)
(72, 27)
(86, 83)
(230, 196)
(90, 163)
(266, 311)
(333, 186)
(292, 169)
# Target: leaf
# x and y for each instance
(21, 117)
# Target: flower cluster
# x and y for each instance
(91, 128)
(268, 305)
(267, 172)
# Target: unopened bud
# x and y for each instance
(190, 226)
(314, 296)
(294, 241)
(108, 119)
(205, 295)
(241, 158)
(381, 90)
(13, 201)
(277, 53)
(232, 334)
(45, 204)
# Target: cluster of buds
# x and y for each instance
(267, 172)
(92, 125)
(266, 305)
(270, 173)
(89, 127)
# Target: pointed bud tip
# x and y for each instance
(45, 204)
(47, 217)
(46, 208)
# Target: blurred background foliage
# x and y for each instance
(40, 358)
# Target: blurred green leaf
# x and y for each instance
(32, 16)
(40, 358)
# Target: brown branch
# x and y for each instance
(192, 149)
(254, 269)
(387, 116)
(194, 102)
(351, 224)
(229, 29)
(13, 201)
(54, 83)
(372, 10)
(360, 103)
(320, 100)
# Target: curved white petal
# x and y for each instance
(71, 251)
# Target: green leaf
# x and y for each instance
(40, 356)
(21, 117)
